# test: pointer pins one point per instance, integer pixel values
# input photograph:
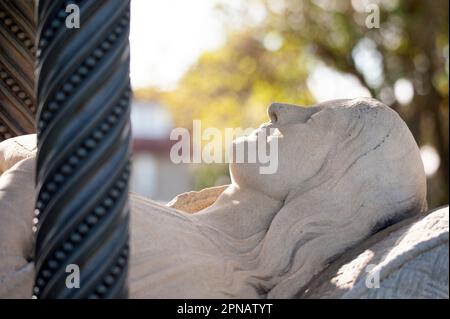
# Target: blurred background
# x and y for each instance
(225, 61)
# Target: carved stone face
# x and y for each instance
(297, 139)
(329, 140)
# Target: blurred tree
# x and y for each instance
(271, 59)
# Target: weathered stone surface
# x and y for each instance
(16, 216)
(411, 259)
(16, 149)
(424, 252)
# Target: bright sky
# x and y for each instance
(168, 36)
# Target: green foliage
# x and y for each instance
(233, 86)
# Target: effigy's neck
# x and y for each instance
(240, 213)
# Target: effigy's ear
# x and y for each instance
(15, 149)
(17, 197)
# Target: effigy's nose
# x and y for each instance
(280, 113)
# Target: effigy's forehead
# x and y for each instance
(356, 109)
(360, 112)
(349, 103)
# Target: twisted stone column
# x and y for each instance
(83, 127)
(17, 36)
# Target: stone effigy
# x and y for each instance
(347, 169)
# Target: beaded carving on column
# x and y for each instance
(17, 56)
(83, 168)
